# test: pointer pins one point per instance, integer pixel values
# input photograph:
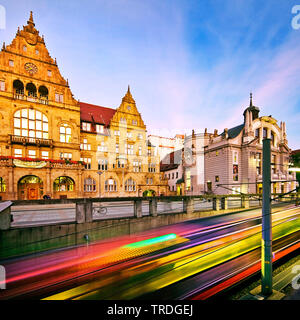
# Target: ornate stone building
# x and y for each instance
(233, 159)
(52, 144)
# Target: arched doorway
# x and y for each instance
(63, 186)
(149, 193)
(30, 188)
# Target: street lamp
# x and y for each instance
(99, 172)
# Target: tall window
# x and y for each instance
(137, 166)
(258, 163)
(65, 133)
(117, 148)
(273, 164)
(89, 185)
(62, 184)
(85, 145)
(129, 148)
(130, 185)
(88, 162)
(30, 123)
(265, 133)
(103, 165)
(99, 128)
(151, 167)
(272, 139)
(110, 185)
(59, 97)
(2, 85)
(86, 126)
(2, 185)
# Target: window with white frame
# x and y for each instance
(99, 128)
(86, 126)
(85, 145)
(140, 151)
(32, 154)
(59, 97)
(117, 148)
(129, 148)
(30, 123)
(18, 153)
(65, 133)
(149, 180)
(45, 154)
(117, 132)
(65, 156)
(88, 162)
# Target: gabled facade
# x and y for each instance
(233, 159)
(52, 144)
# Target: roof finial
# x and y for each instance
(128, 91)
(30, 21)
(250, 99)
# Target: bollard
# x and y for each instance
(138, 208)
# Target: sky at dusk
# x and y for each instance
(190, 64)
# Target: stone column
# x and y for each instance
(80, 212)
(153, 207)
(138, 208)
(216, 204)
(188, 205)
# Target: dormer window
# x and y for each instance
(86, 126)
(99, 128)
(59, 97)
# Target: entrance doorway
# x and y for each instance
(30, 188)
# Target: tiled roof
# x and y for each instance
(96, 114)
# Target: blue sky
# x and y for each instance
(190, 64)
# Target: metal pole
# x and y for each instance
(266, 253)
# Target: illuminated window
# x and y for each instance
(2, 185)
(85, 145)
(62, 184)
(151, 167)
(65, 133)
(99, 128)
(30, 123)
(86, 126)
(32, 154)
(102, 147)
(65, 156)
(45, 155)
(18, 153)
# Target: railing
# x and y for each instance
(93, 209)
(31, 141)
(31, 98)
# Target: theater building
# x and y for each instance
(52, 144)
(233, 159)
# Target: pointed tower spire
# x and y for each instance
(128, 96)
(251, 99)
(30, 21)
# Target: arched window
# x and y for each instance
(43, 92)
(110, 185)
(272, 138)
(18, 87)
(62, 184)
(30, 123)
(130, 185)
(2, 185)
(65, 133)
(31, 90)
(89, 185)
